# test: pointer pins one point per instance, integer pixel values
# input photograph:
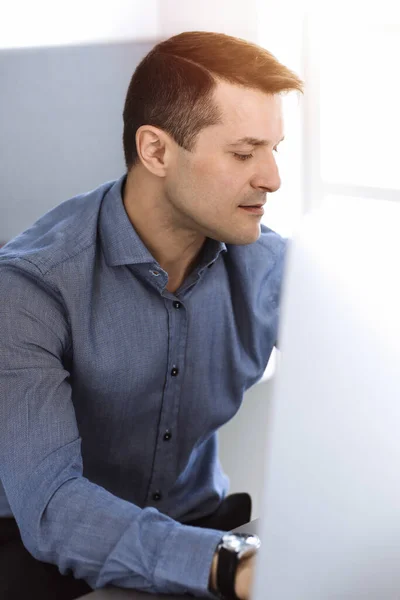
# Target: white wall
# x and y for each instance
(24, 23)
(232, 17)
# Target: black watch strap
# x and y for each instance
(226, 574)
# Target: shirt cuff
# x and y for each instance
(187, 557)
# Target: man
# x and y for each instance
(132, 320)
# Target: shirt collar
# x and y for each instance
(122, 244)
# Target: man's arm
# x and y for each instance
(63, 517)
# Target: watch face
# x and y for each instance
(241, 543)
(232, 541)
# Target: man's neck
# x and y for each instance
(174, 248)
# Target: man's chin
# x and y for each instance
(242, 238)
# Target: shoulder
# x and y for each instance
(59, 235)
(267, 253)
(257, 270)
(271, 242)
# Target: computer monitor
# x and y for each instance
(330, 522)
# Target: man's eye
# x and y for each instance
(243, 157)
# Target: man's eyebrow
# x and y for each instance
(253, 141)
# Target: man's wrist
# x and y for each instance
(241, 579)
(243, 576)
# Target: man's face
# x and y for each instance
(218, 189)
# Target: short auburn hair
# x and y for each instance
(172, 87)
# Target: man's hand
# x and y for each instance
(244, 576)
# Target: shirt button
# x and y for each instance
(157, 496)
(177, 304)
(155, 273)
(167, 436)
(174, 372)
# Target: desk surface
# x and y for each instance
(123, 594)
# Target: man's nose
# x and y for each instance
(267, 177)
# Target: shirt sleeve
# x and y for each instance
(64, 518)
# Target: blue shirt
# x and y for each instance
(112, 390)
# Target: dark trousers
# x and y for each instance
(23, 577)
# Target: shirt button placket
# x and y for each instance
(167, 435)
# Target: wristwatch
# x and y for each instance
(232, 548)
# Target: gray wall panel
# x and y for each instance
(60, 125)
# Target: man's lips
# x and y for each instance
(257, 209)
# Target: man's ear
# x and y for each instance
(154, 148)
